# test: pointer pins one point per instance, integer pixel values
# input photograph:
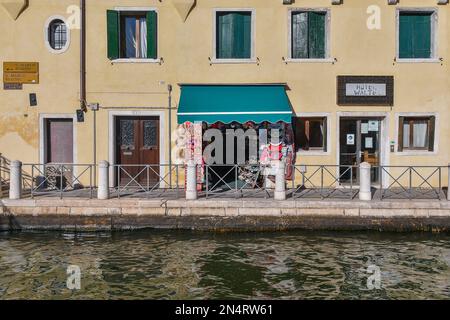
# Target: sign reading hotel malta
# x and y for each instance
(19, 73)
(365, 91)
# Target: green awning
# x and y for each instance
(228, 103)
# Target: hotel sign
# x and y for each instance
(365, 90)
(20, 72)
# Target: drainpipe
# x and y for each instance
(83, 55)
(169, 88)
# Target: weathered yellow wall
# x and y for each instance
(57, 91)
(185, 48)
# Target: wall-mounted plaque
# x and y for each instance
(12, 86)
(24, 78)
(21, 72)
(365, 90)
(21, 67)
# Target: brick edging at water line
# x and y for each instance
(223, 215)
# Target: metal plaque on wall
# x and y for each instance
(12, 86)
(365, 91)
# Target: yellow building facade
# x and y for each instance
(360, 38)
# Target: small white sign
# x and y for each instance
(369, 143)
(373, 125)
(364, 128)
(365, 89)
(350, 139)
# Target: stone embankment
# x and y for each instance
(223, 215)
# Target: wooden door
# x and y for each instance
(59, 144)
(137, 146)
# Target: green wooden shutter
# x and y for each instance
(422, 36)
(415, 35)
(112, 18)
(152, 35)
(400, 133)
(224, 35)
(247, 36)
(233, 35)
(237, 45)
(316, 34)
(299, 41)
(405, 37)
(241, 35)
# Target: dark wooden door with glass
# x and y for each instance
(359, 142)
(138, 146)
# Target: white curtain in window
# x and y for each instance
(143, 35)
(420, 134)
(406, 135)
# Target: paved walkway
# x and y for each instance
(344, 194)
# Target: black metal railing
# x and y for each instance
(229, 181)
(411, 182)
(323, 181)
(148, 181)
(4, 176)
(239, 181)
(60, 179)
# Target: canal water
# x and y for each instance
(193, 265)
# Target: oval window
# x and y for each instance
(57, 35)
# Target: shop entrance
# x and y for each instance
(360, 140)
(137, 144)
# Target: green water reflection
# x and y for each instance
(191, 265)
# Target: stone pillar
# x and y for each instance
(365, 189)
(191, 181)
(15, 180)
(280, 182)
(103, 180)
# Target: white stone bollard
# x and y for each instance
(103, 180)
(280, 182)
(365, 189)
(191, 181)
(15, 180)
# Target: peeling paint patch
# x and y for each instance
(25, 127)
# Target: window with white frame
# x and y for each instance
(234, 34)
(57, 34)
(310, 133)
(416, 34)
(308, 34)
(416, 133)
(132, 34)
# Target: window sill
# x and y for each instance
(326, 60)
(432, 60)
(234, 61)
(416, 153)
(313, 153)
(136, 61)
